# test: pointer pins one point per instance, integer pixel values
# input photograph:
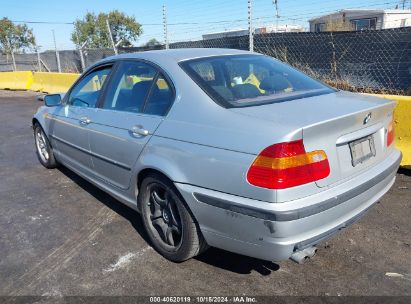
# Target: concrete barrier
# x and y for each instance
(53, 82)
(402, 120)
(20, 80)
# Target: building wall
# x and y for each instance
(396, 20)
(384, 21)
(348, 16)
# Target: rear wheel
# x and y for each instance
(168, 221)
(43, 148)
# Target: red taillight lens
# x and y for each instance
(390, 133)
(287, 165)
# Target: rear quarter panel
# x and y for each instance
(204, 166)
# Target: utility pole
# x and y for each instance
(275, 2)
(57, 53)
(165, 27)
(80, 50)
(250, 26)
(38, 58)
(111, 37)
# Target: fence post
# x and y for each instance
(250, 26)
(83, 66)
(57, 53)
(165, 27)
(14, 60)
(38, 58)
(111, 37)
(12, 55)
(80, 50)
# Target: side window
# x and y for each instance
(86, 92)
(130, 87)
(160, 99)
(205, 70)
(319, 27)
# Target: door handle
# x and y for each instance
(85, 120)
(139, 131)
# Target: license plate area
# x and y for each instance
(362, 149)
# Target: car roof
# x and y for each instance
(178, 54)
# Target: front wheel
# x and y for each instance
(43, 148)
(168, 221)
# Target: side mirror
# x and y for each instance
(52, 100)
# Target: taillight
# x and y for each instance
(286, 165)
(390, 133)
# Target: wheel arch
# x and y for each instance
(34, 121)
(147, 171)
(41, 123)
(153, 169)
(152, 161)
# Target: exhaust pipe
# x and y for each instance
(303, 255)
(310, 251)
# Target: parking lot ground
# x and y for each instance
(62, 236)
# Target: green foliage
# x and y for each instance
(152, 42)
(16, 37)
(93, 29)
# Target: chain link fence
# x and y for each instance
(366, 61)
(71, 61)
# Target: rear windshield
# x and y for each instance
(249, 80)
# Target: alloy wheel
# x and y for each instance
(41, 145)
(164, 216)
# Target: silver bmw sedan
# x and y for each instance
(223, 148)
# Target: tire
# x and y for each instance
(43, 148)
(169, 223)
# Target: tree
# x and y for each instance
(152, 42)
(16, 37)
(93, 30)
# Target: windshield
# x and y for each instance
(249, 80)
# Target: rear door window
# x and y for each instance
(130, 87)
(161, 97)
(138, 87)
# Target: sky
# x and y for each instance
(186, 19)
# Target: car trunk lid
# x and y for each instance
(350, 128)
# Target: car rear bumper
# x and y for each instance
(273, 231)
